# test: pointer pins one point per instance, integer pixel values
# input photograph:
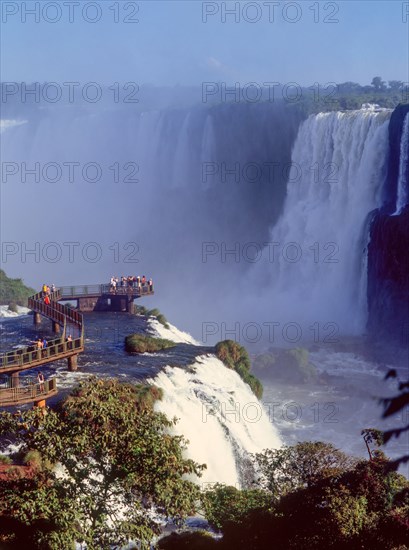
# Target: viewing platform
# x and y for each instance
(68, 326)
(103, 297)
(27, 392)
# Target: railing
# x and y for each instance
(26, 356)
(28, 392)
(55, 311)
(99, 290)
(31, 356)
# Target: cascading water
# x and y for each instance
(218, 414)
(402, 197)
(339, 168)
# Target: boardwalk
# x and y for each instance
(103, 297)
(66, 321)
(15, 391)
(27, 393)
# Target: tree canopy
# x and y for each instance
(117, 471)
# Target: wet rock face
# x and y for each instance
(395, 135)
(388, 277)
(388, 252)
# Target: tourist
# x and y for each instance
(69, 341)
(44, 347)
(150, 285)
(143, 280)
(53, 288)
(39, 345)
(47, 300)
(40, 380)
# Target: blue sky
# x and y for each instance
(171, 44)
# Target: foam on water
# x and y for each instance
(6, 313)
(172, 333)
(218, 414)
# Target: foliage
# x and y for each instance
(36, 512)
(351, 96)
(5, 459)
(293, 467)
(139, 343)
(321, 499)
(235, 357)
(118, 466)
(35, 460)
(13, 290)
(197, 540)
(288, 365)
(159, 316)
(393, 405)
(372, 437)
(225, 504)
(13, 307)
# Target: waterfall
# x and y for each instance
(402, 198)
(319, 270)
(218, 414)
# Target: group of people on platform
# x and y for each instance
(47, 290)
(130, 282)
(43, 344)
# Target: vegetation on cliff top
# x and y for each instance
(141, 310)
(235, 357)
(13, 291)
(351, 96)
(139, 343)
(287, 365)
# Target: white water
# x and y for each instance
(402, 197)
(172, 333)
(5, 124)
(342, 163)
(238, 425)
(6, 313)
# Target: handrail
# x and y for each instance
(101, 289)
(19, 359)
(56, 348)
(30, 392)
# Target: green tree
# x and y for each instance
(378, 84)
(322, 500)
(225, 504)
(395, 85)
(303, 465)
(13, 290)
(372, 437)
(118, 463)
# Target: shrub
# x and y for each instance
(235, 357)
(158, 315)
(4, 459)
(139, 343)
(197, 540)
(140, 310)
(288, 365)
(13, 307)
(13, 290)
(35, 460)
